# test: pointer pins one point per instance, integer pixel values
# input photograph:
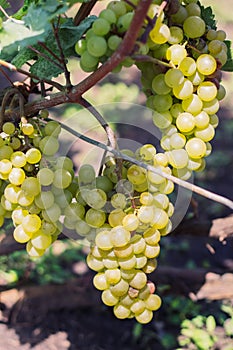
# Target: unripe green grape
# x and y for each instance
(176, 35)
(214, 120)
(95, 218)
(118, 7)
(33, 155)
(31, 186)
(80, 46)
(114, 41)
(103, 183)
(45, 176)
(86, 174)
(196, 148)
(176, 110)
(8, 128)
(184, 90)
(5, 152)
(221, 35)
(206, 134)
(206, 64)
(100, 281)
(162, 103)
(120, 288)
(159, 85)
(202, 120)
(188, 66)
(193, 9)
(41, 241)
(177, 141)
(221, 93)
(211, 107)
(211, 34)
(124, 22)
(108, 15)
(192, 104)
(121, 311)
(44, 200)
(194, 27)
(52, 128)
(160, 200)
(207, 91)
(74, 211)
(89, 61)
(221, 57)
(101, 26)
(162, 119)
(215, 46)
(180, 16)
(97, 46)
(176, 53)
(15, 143)
(160, 52)
(185, 122)
(118, 200)
(178, 158)
(95, 198)
(173, 77)
(53, 213)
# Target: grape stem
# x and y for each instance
(146, 58)
(194, 188)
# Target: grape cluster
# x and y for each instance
(104, 36)
(123, 213)
(183, 88)
(33, 184)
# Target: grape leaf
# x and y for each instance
(68, 36)
(228, 66)
(23, 56)
(208, 16)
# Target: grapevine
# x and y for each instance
(123, 211)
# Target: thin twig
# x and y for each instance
(146, 58)
(6, 76)
(39, 53)
(101, 120)
(13, 68)
(10, 18)
(62, 59)
(194, 188)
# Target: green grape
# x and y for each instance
(188, 66)
(62, 178)
(17, 176)
(89, 61)
(74, 211)
(211, 107)
(45, 176)
(114, 41)
(206, 134)
(20, 235)
(176, 53)
(33, 155)
(178, 158)
(176, 110)
(147, 152)
(8, 128)
(31, 223)
(108, 15)
(173, 77)
(207, 91)
(80, 46)
(206, 64)
(31, 186)
(221, 93)
(180, 16)
(221, 35)
(159, 85)
(44, 200)
(136, 175)
(101, 26)
(27, 129)
(197, 78)
(97, 46)
(86, 174)
(214, 120)
(162, 103)
(124, 22)
(53, 213)
(116, 217)
(95, 218)
(202, 120)
(176, 35)
(15, 143)
(118, 7)
(194, 27)
(18, 159)
(183, 90)
(196, 148)
(162, 119)
(193, 9)
(41, 241)
(185, 122)
(5, 152)
(192, 104)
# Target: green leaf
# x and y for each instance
(208, 16)
(228, 66)
(23, 56)
(14, 36)
(68, 36)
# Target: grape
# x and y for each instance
(33, 155)
(101, 26)
(160, 33)
(185, 122)
(62, 178)
(194, 27)
(178, 158)
(88, 61)
(116, 217)
(27, 129)
(45, 176)
(183, 90)
(196, 148)
(97, 46)
(109, 15)
(159, 86)
(31, 186)
(114, 41)
(176, 35)
(95, 218)
(176, 53)
(16, 176)
(20, 235)
(118, 7)
(207, 91)
(202, 120)
(174, 77)
(193, 9)
(192, 104)
(80, 46)
(18, 159)
(206, 64)
(188, 66)
(206, 134)
(31, 223)
(8, 128)
(124, 22)
(162, 103)
(41, 241)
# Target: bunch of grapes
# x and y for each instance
(33, 183)
(123, 213)
(183, 88)
(105, 35)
